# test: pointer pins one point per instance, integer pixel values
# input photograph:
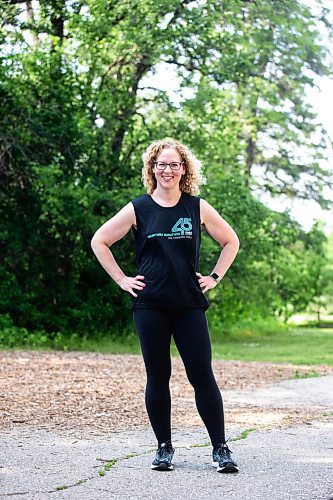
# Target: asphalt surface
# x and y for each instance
(285, 463)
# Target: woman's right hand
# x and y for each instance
(129, 284)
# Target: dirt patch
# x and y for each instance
(105, 392)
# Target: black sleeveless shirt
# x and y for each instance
(167, 246)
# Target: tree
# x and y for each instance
(77, 113)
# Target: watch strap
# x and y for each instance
(215, 277)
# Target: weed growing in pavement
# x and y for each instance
(107, 467)
(199, 445)
(243, 435)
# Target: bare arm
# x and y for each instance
(110, 232)
(222, 232)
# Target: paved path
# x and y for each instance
(308, 392)
(291, 463)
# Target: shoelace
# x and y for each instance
(164, 451)
(224, 448)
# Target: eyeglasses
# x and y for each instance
(175, 165)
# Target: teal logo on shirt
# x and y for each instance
(182, 229)
(182, 226)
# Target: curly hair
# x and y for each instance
(190, 181)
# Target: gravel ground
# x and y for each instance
(103, 392)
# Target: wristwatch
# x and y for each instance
(215, 277)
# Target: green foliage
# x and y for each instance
(77, 113)
(311, 374)
(323, 285)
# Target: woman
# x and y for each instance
(168, 292)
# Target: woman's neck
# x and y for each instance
(168, 196)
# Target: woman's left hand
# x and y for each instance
(206, 282)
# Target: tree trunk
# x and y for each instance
(250, 155)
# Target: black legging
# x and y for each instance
(190, 331)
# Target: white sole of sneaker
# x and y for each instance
(227, 468)
(163, 467)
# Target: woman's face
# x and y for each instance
(168, 178)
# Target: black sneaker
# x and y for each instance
(222, 459)
(163, 457)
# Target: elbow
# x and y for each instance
(98, 242)
(233, 242)
(237, 242)
(95, 242)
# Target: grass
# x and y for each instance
(250, 341)
(107, 467)
(307, 346)
(244, 434)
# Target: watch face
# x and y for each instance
(215, 276)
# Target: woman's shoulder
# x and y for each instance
(139, 200)
(191, 196)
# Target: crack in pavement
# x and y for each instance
(112, 462)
